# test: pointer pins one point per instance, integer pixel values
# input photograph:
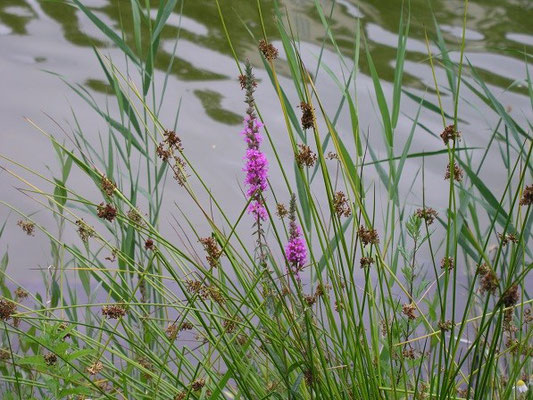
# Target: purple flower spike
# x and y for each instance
(256, 163)
(295, 250)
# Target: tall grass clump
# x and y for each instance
(334, 279)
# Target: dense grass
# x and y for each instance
(438, 308)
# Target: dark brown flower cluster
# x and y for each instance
(204, 291)
(95, 368)
(7, 309)
(85, 231)
(281, 210)
(447, 263)
(527, 196)
(114, 311)
(508, 237)
(341, 205)
(212, 250)
(427, 214)
(198, 384)
(368, 236)
(21, 294)
(450, 133)
(489, 282)
(332, 156)
(366, 262)
(50, 359)
(149, 244)
(308, 115)
(170, 149)
(457, 173)
(173, 330)
(309, 299)
(408, 310)
(135, 216)
(511, 296)
(27, 226)
(5, 354)
(445, 325)
(107, 186)
(309, 377)
(268, 50)
(305, 156)
(409, 353)
(106, 211)
(230, 325)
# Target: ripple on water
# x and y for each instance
(4, 30)
(521, 38)
(180, 20)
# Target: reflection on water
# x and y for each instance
(493, 26)
(45, 35)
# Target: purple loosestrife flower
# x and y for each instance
(295, 250)
(256, 163)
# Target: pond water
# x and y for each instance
(40, 36)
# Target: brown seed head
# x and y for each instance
(332, 156)
(50, 359)
(268, 50)
(447, 263)
(27, 226)
(114, 311)
(305, 156)
(427, 214)
(85, 231)
(106, 211)
(509, 237)
(281, 210)
(198, 384)
(527, 196)
(368, 236)
(21, 293)
(149, 244)
(457, 173)
(511, 296)
(107, 186)
(445, 325)
(308, 115)
(341, 205)
(366, 262)
(95, 368)
(7, 309)
(409, 310)
(450, 133)
(213, 252)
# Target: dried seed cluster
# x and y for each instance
(308, 115)
(527, 196)
(366, 262)
(114, 311)
(268, 50)
(305, 156)
(447, 263)
(85, 231)
(368, 235)
(427, 214)
(445, 325)
(107, 186)
(341, 205)
(95, 368)
(508, 237)
(408, 310)
(450, 133)
(457, 173)
(106, 211)
(7, 309)
(27, 226)
(212, 250)
(281, 210)
(204, 291)
(168, 150)
(21, 294)
(50, 359)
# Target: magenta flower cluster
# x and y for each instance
(295, 250)
(256, 163)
